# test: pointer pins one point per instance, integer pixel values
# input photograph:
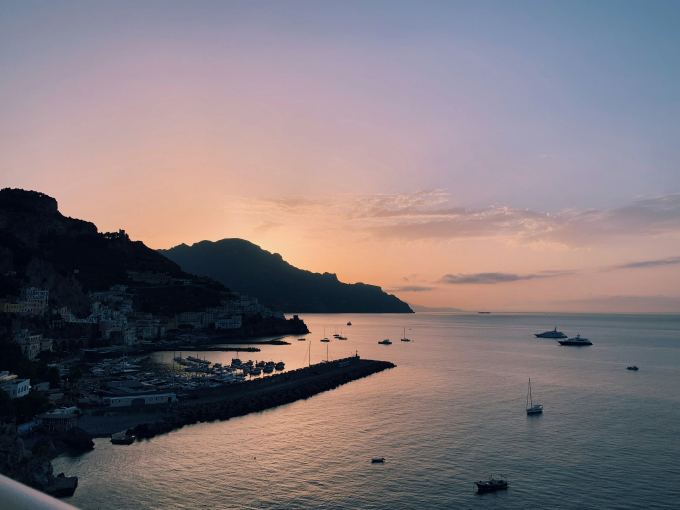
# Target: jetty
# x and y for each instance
(223, 403)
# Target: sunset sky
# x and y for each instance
(505, 156)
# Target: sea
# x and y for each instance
(451, 412)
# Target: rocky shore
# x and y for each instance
(32, 466)
(242, 404)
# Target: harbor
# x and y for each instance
(210, 402)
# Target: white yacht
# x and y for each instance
(577, 340)
(550, 334)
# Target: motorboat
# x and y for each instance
(268, 369)
(301, 339)
(256, 371)
(378, 460)
(260, 364)
(280, 365)
(349, 323)
(551, 334)
(122, 438)
(632, 367)
(235, 362)
(577, 340)
(386, 342)
(531, 407)
(492, 484)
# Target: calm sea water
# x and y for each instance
(452, 412)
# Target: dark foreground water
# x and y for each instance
(453, 411)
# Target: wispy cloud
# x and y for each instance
(266, 226)
(410, 288)
(430, 215)
(493, 278)
(671, 261)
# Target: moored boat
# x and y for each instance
(122, 438)
(403, 338)
(577, 340)
(632, 367)
(492, 484)
(386, 342)
(378, 460)
(551, 334)
(531, 407)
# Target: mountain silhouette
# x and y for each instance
(245, 267)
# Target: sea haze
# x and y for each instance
(453, 411)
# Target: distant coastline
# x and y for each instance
(418, 308)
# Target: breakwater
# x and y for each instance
(263, 394)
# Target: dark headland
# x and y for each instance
(245, 267)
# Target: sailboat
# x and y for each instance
(324, 339)
(531, 408)
(403, 338)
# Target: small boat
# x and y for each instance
(404, 339)
(577, 340)
(324, 339)
(632, 367)
(378, 460)
(531, 407)
(122, 438)
(280, 365)
(349, 323)
(492, 484)
(301, 339)
(386, 342)
(551, 334)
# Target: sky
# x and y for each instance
(505, 156)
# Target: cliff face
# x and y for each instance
(28, 215)
(20, 464)
(40, 247)
(245, 267)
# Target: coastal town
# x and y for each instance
(71, 371)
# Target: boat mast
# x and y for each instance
(529, 395)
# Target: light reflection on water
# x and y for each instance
(450, 413)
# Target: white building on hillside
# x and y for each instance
(16, 388)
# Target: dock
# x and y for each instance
(229, 401)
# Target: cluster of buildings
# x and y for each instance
(229, 315)
(33, 301)
(112, 311)
(32, 344)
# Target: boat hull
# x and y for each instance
(577, 344)
(486, 487)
